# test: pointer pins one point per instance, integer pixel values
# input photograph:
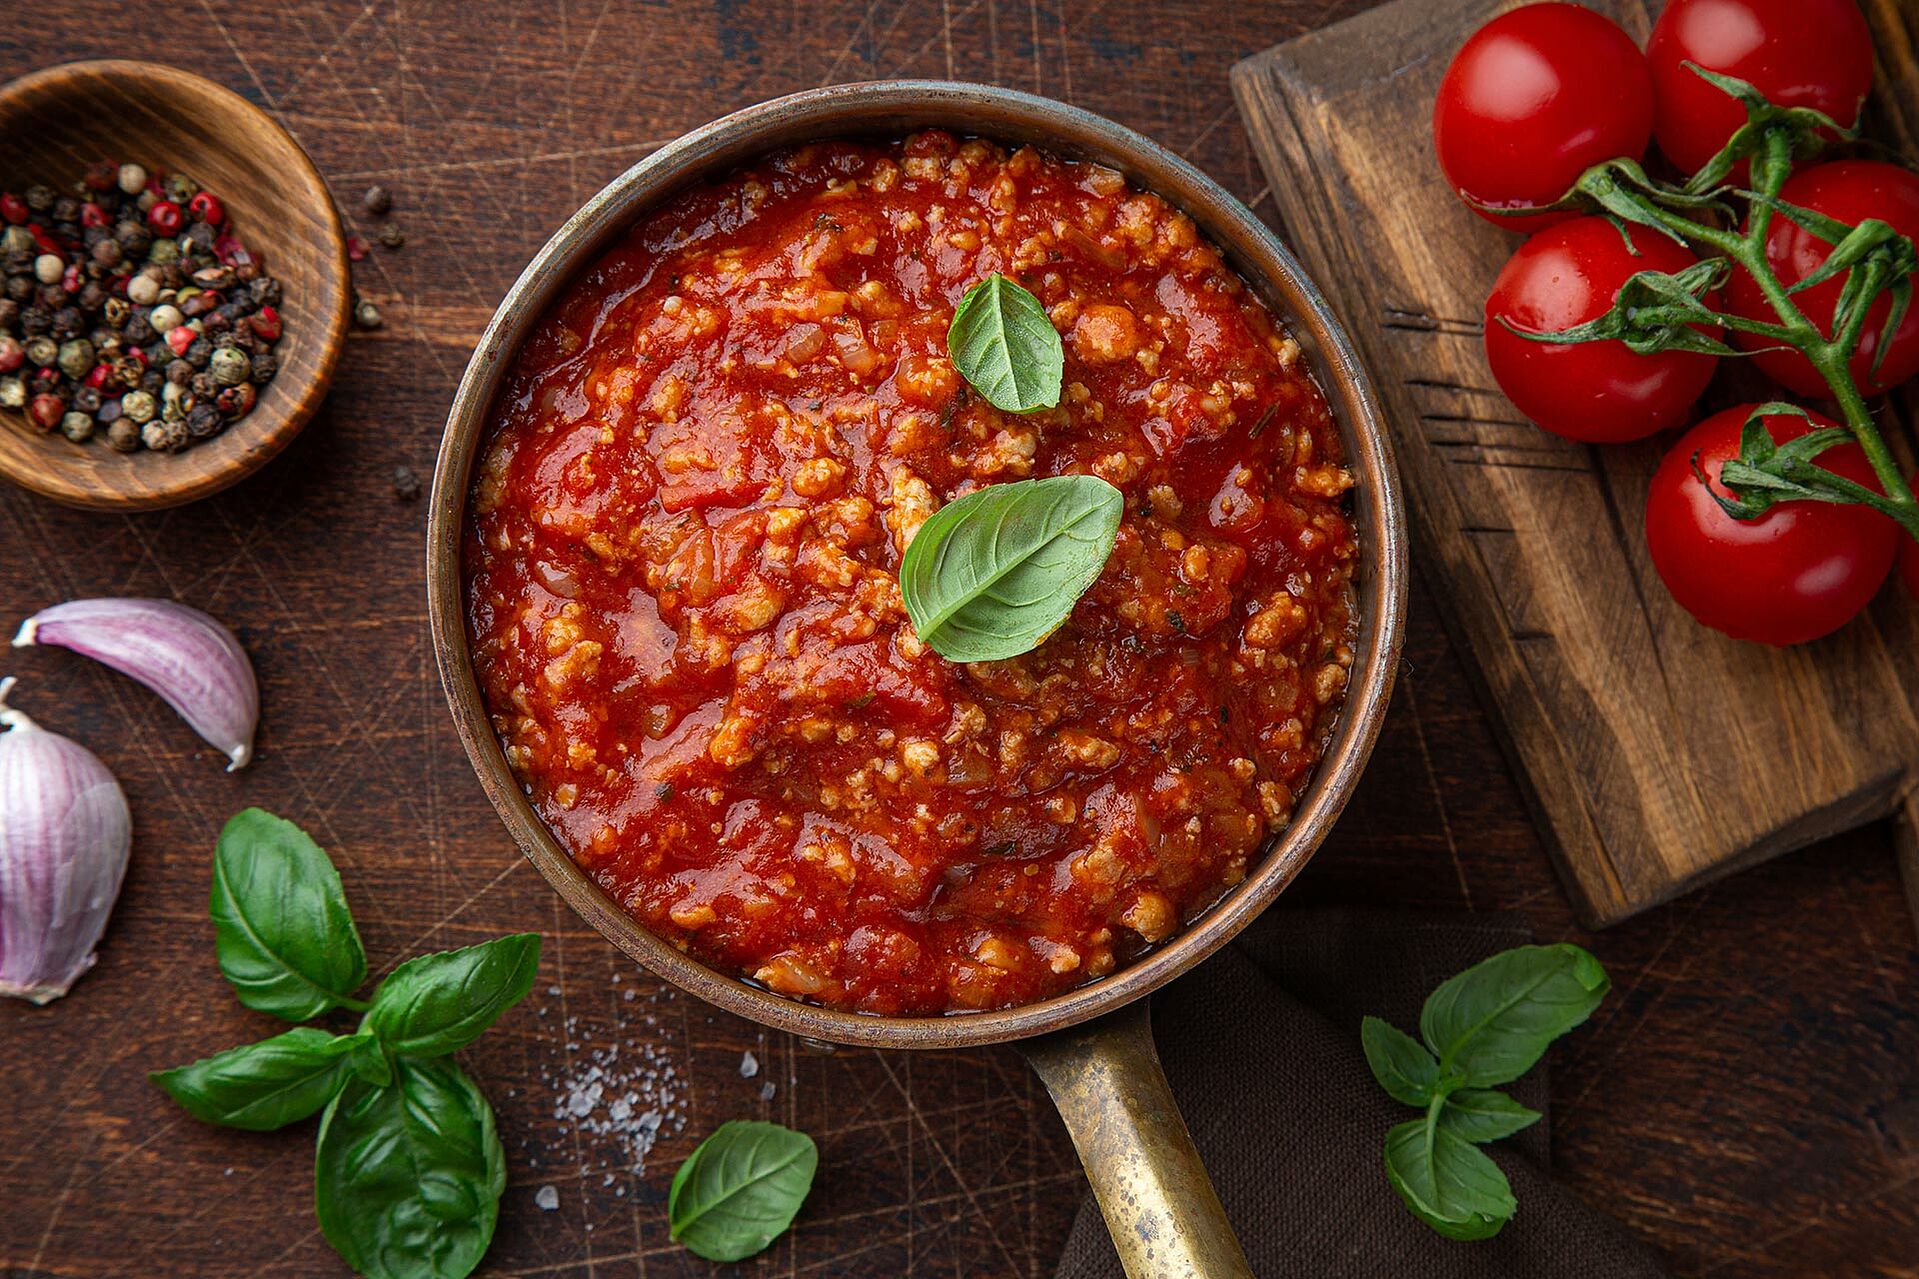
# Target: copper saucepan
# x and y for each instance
(1092, 1046)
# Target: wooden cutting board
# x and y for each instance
(1657, 754)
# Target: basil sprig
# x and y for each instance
(1484, 1027)
(1003, 343)
(409, 1168)
(740, 1189)
(991, 575)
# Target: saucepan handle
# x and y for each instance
(1165, 1219)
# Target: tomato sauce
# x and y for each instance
(680, 572)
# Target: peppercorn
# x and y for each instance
(40, 197)
(138, 329)
(229, 367)
(65, 209)
(139, 406)
(203, 421)
(163, 253)
(377, 199)
(107, 252)
(265, 365)
(92, 296)
(35, 319)
(152, 380)
(179, 372)
(12, 354)
(20, 288)
(367, 315)
(130, 178)
(123, 436)
(163, 436)
(144, 288)
(265, 290)
(108, 413)
(77, 427)
(86, 399)
(203, 386)
(199, 303)
(42, 351)
(16, 241)
(51, 296)
(199, 241)
(76, 358)
(9, 313)
(46, 410)
(235, 401)
(13, 392)
(207, 208)
(392, 236)
(68, 323)
(133, 238)
(180, 188)
(164, 317)
(94, 233)
(406, 485)
(48, 268)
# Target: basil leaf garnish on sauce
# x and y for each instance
(1003, 343)
(265, 1085)
(435, 1004)
(991, 575)
(284, 936)
(740, 1189)
(407, 1178)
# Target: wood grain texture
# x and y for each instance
(1657, 753)
(57, 122)
(1747, 1100)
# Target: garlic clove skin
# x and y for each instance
(188, 658)
(65, 832)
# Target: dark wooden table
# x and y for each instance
(1748, 1100)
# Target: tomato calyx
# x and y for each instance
(1653, 311)
(1875, 257)
(1808, 130)
(1615, 188)
(1766, 473)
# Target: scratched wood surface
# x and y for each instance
(1748, 1101)
(1618, 707)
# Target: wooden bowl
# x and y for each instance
(56, 122)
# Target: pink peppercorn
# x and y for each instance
(265, 324)
(206, 206)
(13, 208)
(92, 214)
(356, 248)
(164, 218)
(98, 378)
(12, 354)
(180, 337)
(46, 411)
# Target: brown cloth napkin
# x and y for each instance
(1261, 1045)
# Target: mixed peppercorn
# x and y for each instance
(130, 309)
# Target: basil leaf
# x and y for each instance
(991, 575)
(433, 1005)
(1002, 342)
(1449, 1183)
(282, 929)
(407, 1179)
(265, 1085)
(1490, 1024)
(1400, 1063)
(1481, 1115)
(740, 1189)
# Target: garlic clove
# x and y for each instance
(65, 833)
(185, 656)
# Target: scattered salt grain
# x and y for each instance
(547, 1198)
(767, 1090)
(749, 1066)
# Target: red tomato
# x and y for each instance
(1535, 98)
(1801, 570)
(1852, 191)
(1595, 391)
(1799, 53)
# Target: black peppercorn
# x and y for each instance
(94, 236)
(200, 237)
(68, 323)
(203, 387)
(20, 288)
(106, 251)
(133, 238)
(377, 199)
(123, 435)
(265, 290)
(265, 365)
(137, 331)
(51, 296)
(35, 319)
(92, 296)
(203, 421)
(179, 372)
(158, 354)
(65, 209)
(108, 412)
(392, 236)
(406, 485)
(40, 197)
(9, 314)
(86, 399)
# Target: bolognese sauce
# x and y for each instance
(681, 578)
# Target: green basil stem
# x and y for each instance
(1833, 356)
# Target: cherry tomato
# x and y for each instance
(1594, 391)
(1801, 570)
(1535, 98)
(1852, 191)
(1799, 53)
